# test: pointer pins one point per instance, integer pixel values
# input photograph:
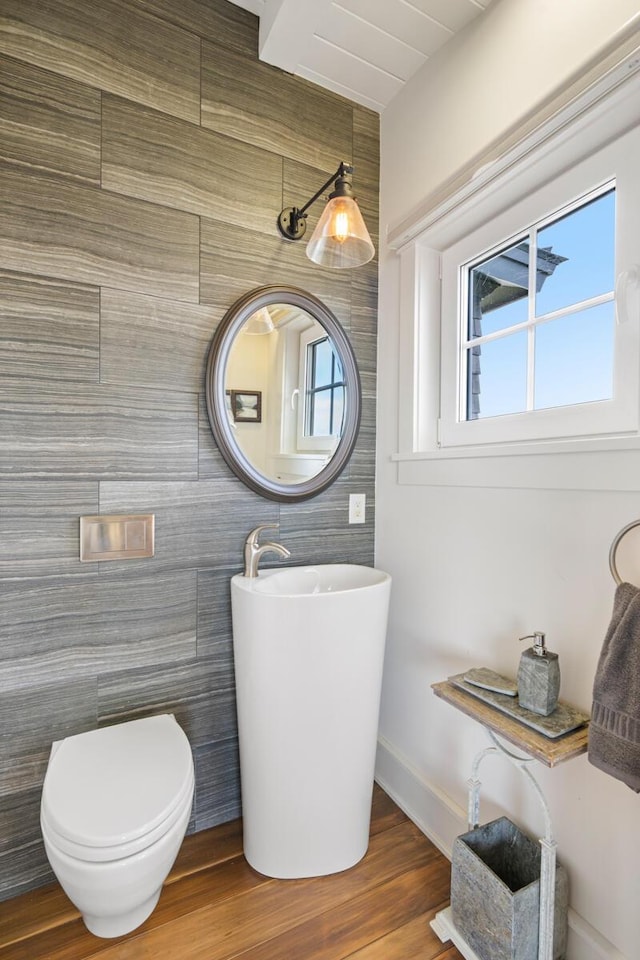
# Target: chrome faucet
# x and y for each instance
(253, 550)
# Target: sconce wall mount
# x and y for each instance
(340, 238)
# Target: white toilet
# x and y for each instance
(114, 812)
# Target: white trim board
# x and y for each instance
(609, 68)
(441, 819)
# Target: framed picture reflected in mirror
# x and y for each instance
(246, 405)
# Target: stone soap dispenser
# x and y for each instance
(538, 677)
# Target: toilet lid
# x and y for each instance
(110, 786)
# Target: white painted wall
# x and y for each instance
(474, 568)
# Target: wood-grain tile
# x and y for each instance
(74, 627)
(113, 45)
(51, 227)
(154, 634)
(196, 523)
(318, 530)
(48, 122)
(23, 862)
(260, 104)
(212, 20)
(48, 329)
(214, 601)
(154, 157)
(153, 342)
(366, 145)
(199, 693)
(366, 162)
(363, 335)
(31, 719)
(39, 526)
(217, 783)
(80, 432)
(228, 271)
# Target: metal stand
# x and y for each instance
(443, 925)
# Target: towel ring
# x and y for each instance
(614, 546)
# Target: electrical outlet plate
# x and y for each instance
(357, 508)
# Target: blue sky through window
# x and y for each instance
(574, 353)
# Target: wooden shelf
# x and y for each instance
(548, 751)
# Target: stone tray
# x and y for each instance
(563, 719)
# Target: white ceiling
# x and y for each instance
(363, 49)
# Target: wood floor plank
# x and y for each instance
(414, 940)
(194, 892)
(26, 916)
(208, 848)
(214, 906)
(221, 930)
(384, 812)
(340, 932)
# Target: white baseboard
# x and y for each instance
(441, 819)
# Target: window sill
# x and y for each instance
(593, 464)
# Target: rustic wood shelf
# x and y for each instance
(548, 751)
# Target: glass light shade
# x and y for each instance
(340, 238)
(259, 323)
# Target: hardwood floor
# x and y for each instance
(214, 907)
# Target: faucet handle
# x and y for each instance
(252, 538)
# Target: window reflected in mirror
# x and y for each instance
(285, 356)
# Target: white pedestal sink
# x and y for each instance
(308, 649)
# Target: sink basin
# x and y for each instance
(308, 647)
(310, 581)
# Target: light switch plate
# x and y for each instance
(117, 537)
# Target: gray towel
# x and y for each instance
(614, 732)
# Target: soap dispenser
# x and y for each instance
(538, 677)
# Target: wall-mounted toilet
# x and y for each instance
(115, 808)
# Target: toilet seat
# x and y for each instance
(112, 792)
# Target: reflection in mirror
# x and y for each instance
(291, 389)
(286, 355)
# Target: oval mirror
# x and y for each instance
(283, 393)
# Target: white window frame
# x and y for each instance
(546, 159)
(608, 417)
(318, 444)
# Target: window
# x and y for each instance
(519, 343)
(532, 348)
(324, 393)
(538, 315)
(321, 395)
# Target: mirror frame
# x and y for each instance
(221, 345)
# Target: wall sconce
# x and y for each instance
(259, 323)
(340, 238)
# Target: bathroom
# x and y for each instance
(119, 275)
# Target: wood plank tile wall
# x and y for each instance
(145, 153)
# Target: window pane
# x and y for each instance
(497, 377)
(574, 358)
(579, 250)
(498, 290)
(338, 412)
(323, 354)
(321, 414)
